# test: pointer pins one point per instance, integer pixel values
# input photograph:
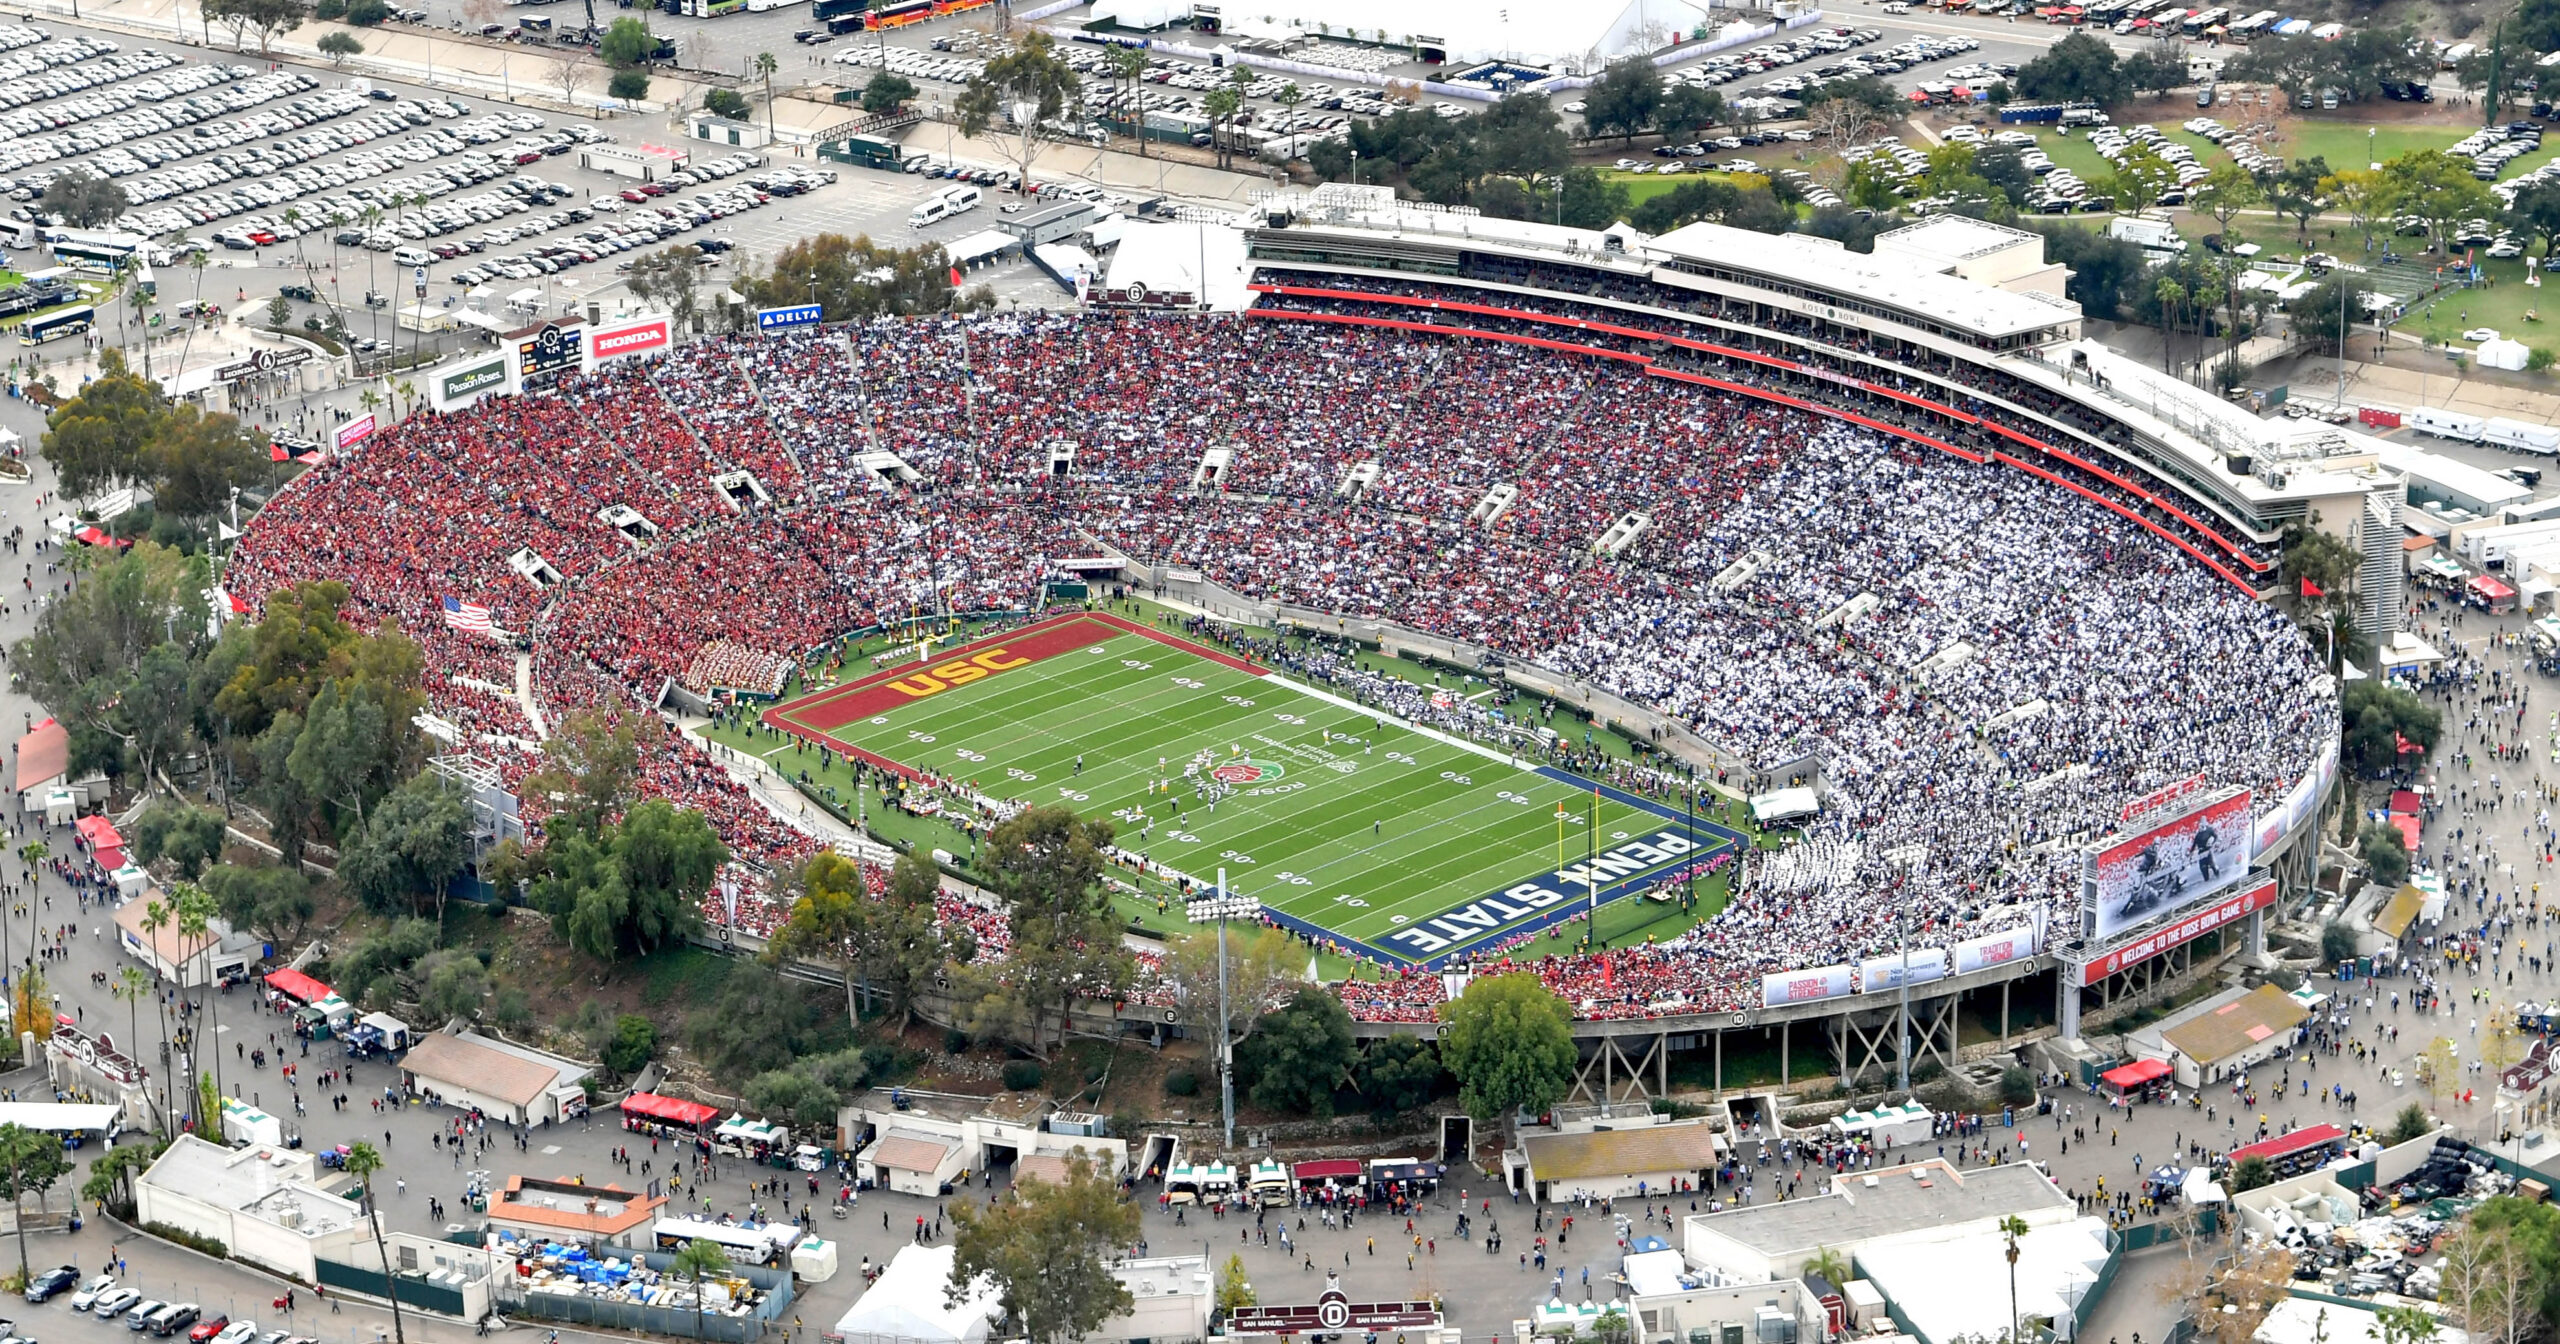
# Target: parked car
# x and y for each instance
(52, 1282)
(91, 1291)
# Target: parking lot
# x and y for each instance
(347, 195)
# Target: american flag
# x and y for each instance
(463, 615)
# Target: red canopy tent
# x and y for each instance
(95, 537)
(669, 1110)
(99, 834)
(2130, 1076)
(2493, 592)
(2286, 1145)
(295, 985)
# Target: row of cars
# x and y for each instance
(199, 123)
(404, 208)
(1874, 65)
(2241, 145)
(627, 231)
(105, 1299)
(273, 174)
(2493, 147)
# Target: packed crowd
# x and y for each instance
(799, 488)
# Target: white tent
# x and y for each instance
(1784, 805)
(907, 1305)
(2502, 353)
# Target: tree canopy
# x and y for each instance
(1048, 1250)
(1045, 864)
(1510, 1045)
(1302, 1053)
(852, 278)
(84, 200)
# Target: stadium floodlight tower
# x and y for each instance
(1223, 907)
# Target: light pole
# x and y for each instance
(1223, 907)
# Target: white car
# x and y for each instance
(1576, 108)
(91, 1291)
(238, 1332)
(2481, 334)
(1896, 7)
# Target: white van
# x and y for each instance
(2447, 424)
(413, 256)
(933, 211)
(961, 199)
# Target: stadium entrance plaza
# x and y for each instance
(1484, 1293)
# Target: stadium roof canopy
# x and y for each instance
(1579, 38)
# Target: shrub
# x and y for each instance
(367, 13)
(1022, 1075)
(955, 1042)
(2017, 1086)
(634, 1043)
(2337, 942)
(628, 85)
(2540, 358)
(725, 103)
(329, 11)
(1182, 1083)
(190, 1240)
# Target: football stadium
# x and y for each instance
(1471, 588)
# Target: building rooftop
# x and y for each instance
(269, 1184)
(574, 1208)
(1790, 259)
(2223, 1029)
(44, 755)
(1862, 1205)
(1610, 1153)
(909, 1151)
(1957, 238)
(476, 1063)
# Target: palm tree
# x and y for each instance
(371, 401)
(699, 1259)
(363, 1161)
(407, 390)
(195, 910)
(1220, 104)
(155, 917)
(2013, 1227)
(765, 66)
(32, 856)
(17, 1148)
(1827, 1264)
(2171, 295)
(130, 985)
(1130, 63)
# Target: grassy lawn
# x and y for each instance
(2345, 145)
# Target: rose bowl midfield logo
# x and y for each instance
(1247, 771)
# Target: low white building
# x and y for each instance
(1771, 1240)
(1170, 1298)
(222, 953)
(913, 1141)
(507, 1082)
(264, 1204)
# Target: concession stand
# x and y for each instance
(2141, 1080)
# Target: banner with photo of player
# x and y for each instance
(2168, 867)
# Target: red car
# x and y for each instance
(634, 195)
(207, 1329)
(529, 157)
(656, 188)
(261, 237)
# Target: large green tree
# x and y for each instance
(884, 942)
(98, 440)
(634, 887)
(1510, 1045)
(269, 19)
(406, 855)
(189, 837)
(1301, 1054)
(1045, 864)
(1399, 1074)
(852, 278)
(1029, 96)
(2376, 718)
(83, 199)
(273, 901)
(1048, 1252)
(1624, 99)
(2079, 68)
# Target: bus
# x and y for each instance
(959, 6)
(71, 321)
(710, 9)
(2195, 24)
(94, 257)
(836, 9)
(899, 15)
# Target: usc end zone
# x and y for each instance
(817, 715)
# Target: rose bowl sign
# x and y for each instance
(1247, 771)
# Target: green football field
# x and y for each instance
(1415, 846)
